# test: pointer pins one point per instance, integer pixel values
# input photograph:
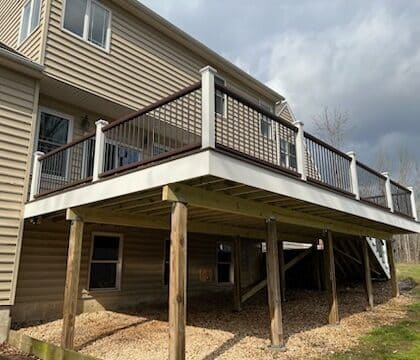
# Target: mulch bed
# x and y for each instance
(215, 332)
(8, 352)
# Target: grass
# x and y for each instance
(400, 341)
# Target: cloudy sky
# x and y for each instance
(363, 56)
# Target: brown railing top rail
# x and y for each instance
(155, 105)
(328, 146)
(255, 106)
(367, 168)
(400, 186)
(68, 145)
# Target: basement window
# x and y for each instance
(30, 18)
(106, 262)
(224, 263)
(89, 20)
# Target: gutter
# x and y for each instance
(20, 63)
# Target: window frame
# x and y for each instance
(231, 265)
(30, 32)
(85, 36)
(119, 262)
(223, 96)
(65, 116)
(264, 118)
(287, 154)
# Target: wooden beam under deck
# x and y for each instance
(72, 283)
(368, 277)
(333, 316)
(231, 204)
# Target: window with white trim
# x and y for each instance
(105, 262)
(89, 20)
(53, 132)
(224, 263)
(30, 18)
(288, 154)
(266, 124)
(220, 101)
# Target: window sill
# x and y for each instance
(106, 50)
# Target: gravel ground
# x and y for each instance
(214, 332)
(8, 352)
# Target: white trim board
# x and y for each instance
(217, 164)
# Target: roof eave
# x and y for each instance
(20, 63)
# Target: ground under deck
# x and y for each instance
(213, 331)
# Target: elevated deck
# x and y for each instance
(212, 143)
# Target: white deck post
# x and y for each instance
(388, 191)
(413, 203)
(98, 162)
(36, 175)
(353, 174)
(208, 106)
(300, 149)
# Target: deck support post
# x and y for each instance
(388, 191)
(413, 203)
(208, 107)
(300, 149)
(392, 269)
(36, 175)
(71, 290)
(333, 316)
(353, 174)
(178, 281)
(282, 270)
(99, 155)
(368, 277)
(273, 286)
(237, 274)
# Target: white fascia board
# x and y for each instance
(177, 170)
(233, 169)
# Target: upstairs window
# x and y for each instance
(266, 124)
(220, 102)
(288, 154)
(89, 20)
(30, 18)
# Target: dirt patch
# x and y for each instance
(214, 332)
(8, 352)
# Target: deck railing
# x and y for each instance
(253, 132)
(372, 185)
(327, 165)
(170, 126)
(208, 115)
(67, 166)
(401, 199)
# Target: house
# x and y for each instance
(120, 134)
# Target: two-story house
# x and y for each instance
(120, 134)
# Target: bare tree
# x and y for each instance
(332, 126)
(408, 173)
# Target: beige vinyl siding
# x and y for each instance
(10, 22)
(142, 66)
(40, 288)
(18, 98)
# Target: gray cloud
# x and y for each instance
(362, 56)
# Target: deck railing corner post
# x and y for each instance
(36, 175)
(413, 203)
(208, 106)
(99, 155)
(300, 150)
(388, 191)
(353, 174)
